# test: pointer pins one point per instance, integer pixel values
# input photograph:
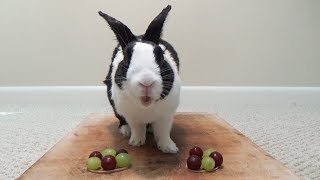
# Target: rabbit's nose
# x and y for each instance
(147, 79)
(146, 83)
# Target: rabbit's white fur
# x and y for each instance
(161, 112)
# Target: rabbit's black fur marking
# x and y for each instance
(108, 82)
(173, 53)
(154, 31)
(122, 32)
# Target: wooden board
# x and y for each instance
(242, 158)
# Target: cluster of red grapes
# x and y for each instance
(207, 160)
(108, 159)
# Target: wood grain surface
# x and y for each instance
(242, 158)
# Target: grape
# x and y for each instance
(123, 160)
(207, 152)
(121, 151)
(108, 151)
(108, 162)
(217, 157)
(196, 151)
(93, 163)
(207, 163)
(194, 162)
(96, 154)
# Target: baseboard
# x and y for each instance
(190, 95)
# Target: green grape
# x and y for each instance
(207, 163)
(94, 163)
(207, 152)
(108, 151)
(123, 160)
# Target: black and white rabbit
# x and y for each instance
(143, 83)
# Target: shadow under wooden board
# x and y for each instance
(242, 158)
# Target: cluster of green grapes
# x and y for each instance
(108, 159)
(207, 160)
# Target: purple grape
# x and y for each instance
(217, 157)
(108, 162)
(196, 151)
(96, 154)
(122, 151)
(194, 162)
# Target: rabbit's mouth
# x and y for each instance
(146, 100)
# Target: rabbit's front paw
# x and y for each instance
(125, 130)
(137, 140)
(167, 146)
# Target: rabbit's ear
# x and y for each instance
(122, 32)
(154, 30)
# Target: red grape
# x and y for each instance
(121, 151)
(108, 162)
(96, 154)
(194, 162)
(217, 157)
(196, 151)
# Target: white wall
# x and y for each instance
(248, 42)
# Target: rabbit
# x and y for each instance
(143, 83)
